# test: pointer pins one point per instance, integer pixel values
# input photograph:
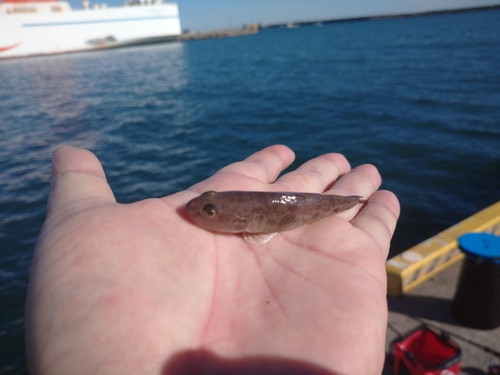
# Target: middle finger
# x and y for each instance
(315, 175)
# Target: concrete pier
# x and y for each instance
(217, 34)
(431, 302)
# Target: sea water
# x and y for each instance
(417, 97)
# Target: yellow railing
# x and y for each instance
(419, 263)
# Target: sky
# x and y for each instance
(204, 15)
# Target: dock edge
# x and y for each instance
(419, 263)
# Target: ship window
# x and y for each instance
(23, 10)
(56, 8)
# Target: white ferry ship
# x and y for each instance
(39, 27)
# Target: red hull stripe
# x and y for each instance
(3, 49)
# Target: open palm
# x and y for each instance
(140, 289)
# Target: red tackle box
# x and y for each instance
(426, 352)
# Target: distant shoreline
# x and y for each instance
(216, 34)
(253, 29)
(386, 16)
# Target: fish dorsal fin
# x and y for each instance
(258, 238)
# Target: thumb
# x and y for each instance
(77, 176)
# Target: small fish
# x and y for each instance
(260, 215)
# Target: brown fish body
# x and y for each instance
(264, 212)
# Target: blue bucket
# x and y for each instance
(477, 299)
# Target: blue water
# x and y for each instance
(417, 97)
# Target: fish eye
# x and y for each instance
(210, 210)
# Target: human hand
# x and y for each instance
(138, 288)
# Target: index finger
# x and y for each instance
(255, 172)
(264, 165)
